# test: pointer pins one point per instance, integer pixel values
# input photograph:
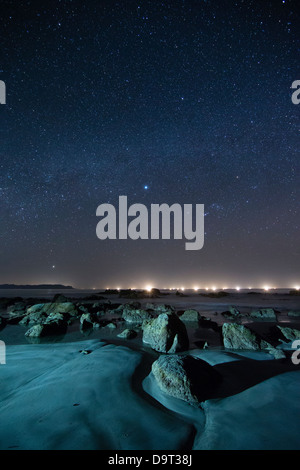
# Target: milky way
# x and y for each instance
(162, 101)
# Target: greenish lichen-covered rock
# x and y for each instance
(237, 336)
(166, 333)
(53, 307)
(132, 315)
(291, 334)
(190, 315)
(264, 313)
(185, 377)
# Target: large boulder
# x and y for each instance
(237, 336)
(53, 307)
(185, 377)
(166, 333)
(264, 313)
(54, 323)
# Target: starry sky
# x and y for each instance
(163, 101)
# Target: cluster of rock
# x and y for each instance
(236, 336)
(262, 314)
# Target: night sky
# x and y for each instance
(165, 102)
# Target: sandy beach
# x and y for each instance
(90, 389)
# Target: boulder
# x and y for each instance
(190, 316)
(54, 323)
(294, 313)
(185, 377)
(88, 320)
(53, 307)
(277, 353)
(263, 313)
(127, 334)
(291, 334)
(16, 312)
(232, 313)
(166, 333)
(133, 315)
(237, 336)
(33, 318)
(35, 331)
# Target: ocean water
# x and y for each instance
(46, 293)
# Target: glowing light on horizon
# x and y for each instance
(149, 288)
(196, 288)
(214, 288)
(267, 288)
(297, 287)
(237, 288)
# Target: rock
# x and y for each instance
(162, 308)
(54, 323)
(127, 334)
(277, 353)
(53, 307)
(166, 333)
(237, 336)
(264, 313)
(88, 320)
(289, 333)
(37, 317)
(57, 319)
(232, 313)
(185, 377)
(16, 312)
(132, 315)
(294, 313)
(111, 325)
(35, 331)
(59, 298)
(190, 316)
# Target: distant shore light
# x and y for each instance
(149, 288)
(237, 288)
